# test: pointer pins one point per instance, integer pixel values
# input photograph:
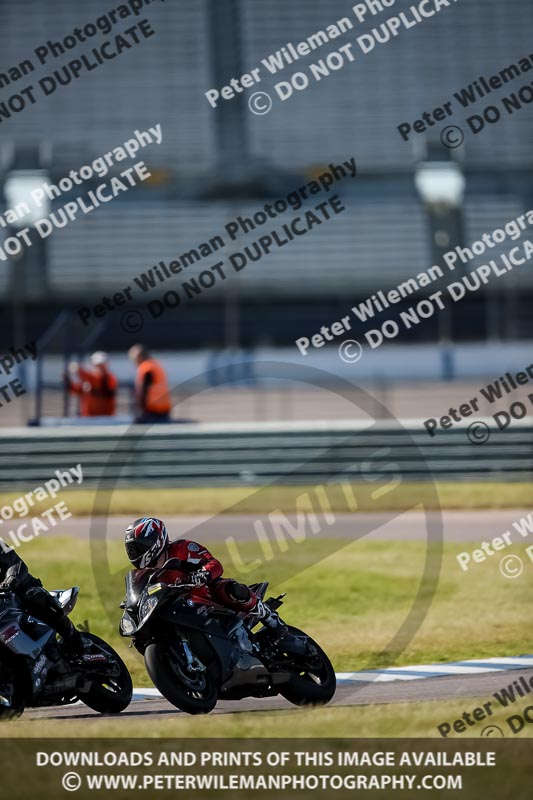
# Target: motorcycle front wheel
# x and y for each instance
(108, 694)
(194, 693)
(313, 680)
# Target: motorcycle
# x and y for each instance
(35, 672)
(197, 652)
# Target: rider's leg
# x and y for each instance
(45, 607)
(232, 594)
(240, 597)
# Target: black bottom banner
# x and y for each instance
(287, 768)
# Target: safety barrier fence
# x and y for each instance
(256, 454)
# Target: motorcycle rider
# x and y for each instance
(15, 577)
(148, 547)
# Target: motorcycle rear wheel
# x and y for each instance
(193, 700)
(10, 691)
(315, 683)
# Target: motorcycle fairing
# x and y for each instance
(17, 640)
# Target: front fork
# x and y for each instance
(184, 653)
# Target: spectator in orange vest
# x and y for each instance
(151, 388)
(96, 387)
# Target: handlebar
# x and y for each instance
(179, 585)
(182, 586)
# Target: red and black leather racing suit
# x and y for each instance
(193, 557)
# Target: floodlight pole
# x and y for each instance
(18, 295)
(441, 186)
(28, 274)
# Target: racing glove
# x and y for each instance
(200, 577)
(39, 598)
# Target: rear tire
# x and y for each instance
(315, 683)
(10, 690)
(200, 700)
(109, 695)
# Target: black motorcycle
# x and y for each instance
(198, 652)
(35, 671)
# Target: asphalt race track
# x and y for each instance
(348, 694)
(459, 526)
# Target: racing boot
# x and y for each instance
(277, 629)
(72, 644)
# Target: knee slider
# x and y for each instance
(239, 592)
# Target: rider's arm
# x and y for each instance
(213, 567)
(13, 570)
(199, 557)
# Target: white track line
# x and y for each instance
(474, 667)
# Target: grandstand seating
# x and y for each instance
(106, 251)
(383, 237)
(356, 110)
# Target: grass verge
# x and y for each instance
(400, 720)
(252, 500)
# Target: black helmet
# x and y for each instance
(146, 538)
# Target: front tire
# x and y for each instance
(194, 696)
(313, 681)
(109, 695)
